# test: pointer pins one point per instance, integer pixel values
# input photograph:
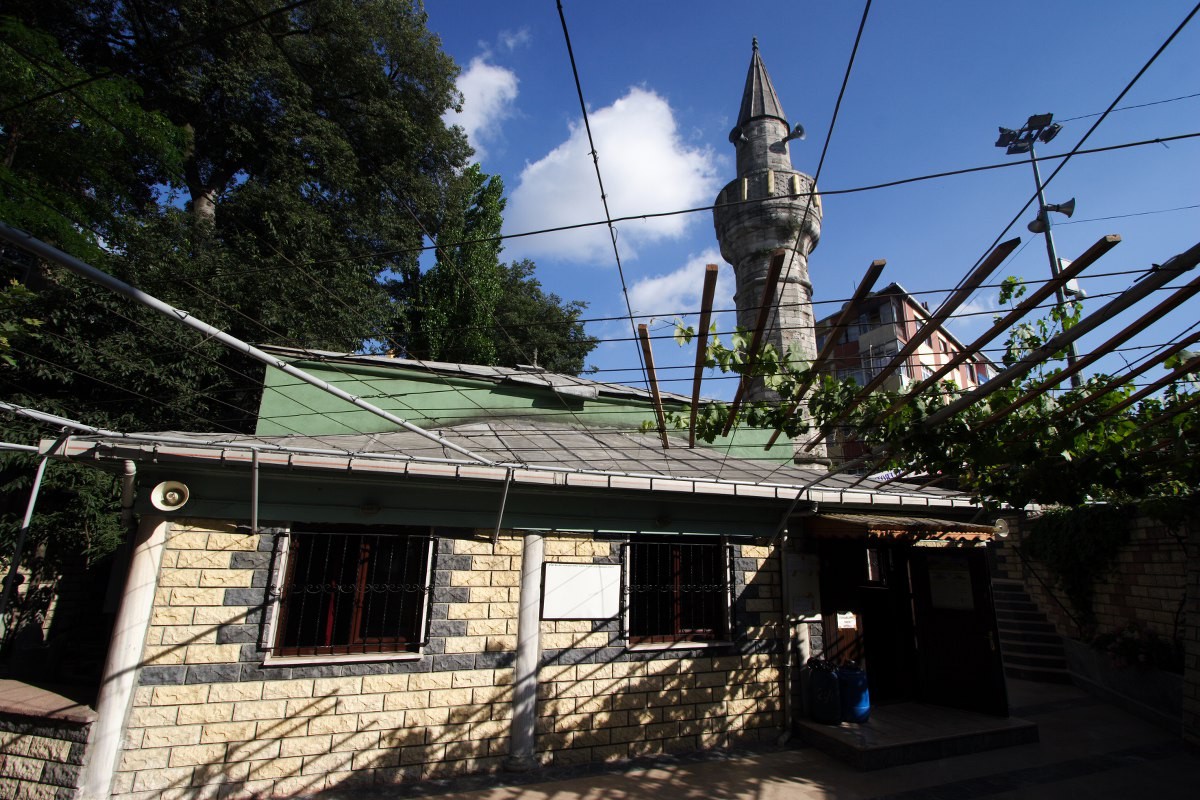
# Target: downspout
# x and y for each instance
(790, 627)
(128, 485)
(522, 753)
(124, 658)
(253, 492)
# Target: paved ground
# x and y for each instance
(1088, 749)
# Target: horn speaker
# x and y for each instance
(169, 496)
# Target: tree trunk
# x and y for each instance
(204, 203)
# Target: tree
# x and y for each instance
(1068, 449)
(538, 327)
(471, 308)
(266, 166)
(259, 165)
(447, 312)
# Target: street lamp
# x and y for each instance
(1042, 128)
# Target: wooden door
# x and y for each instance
(958, 652)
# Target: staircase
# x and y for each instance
(1029, 645)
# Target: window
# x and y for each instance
(677, 591)
(354, 589)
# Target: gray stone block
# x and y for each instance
(250, 560)
(237, 634)
(214, 673)
(162, 676)
(451, 663)
(245, 597)
(258, 672)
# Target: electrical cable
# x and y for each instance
(612, 231)
(164, 54)
(709, 208)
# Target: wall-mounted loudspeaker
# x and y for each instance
(169, 496)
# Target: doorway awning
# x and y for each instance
(927, 531)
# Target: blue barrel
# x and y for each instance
(824, 704)
(854, 698)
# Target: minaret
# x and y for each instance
(767, 207)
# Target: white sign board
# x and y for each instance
(804, 584)
(581, 591)
(847, 621)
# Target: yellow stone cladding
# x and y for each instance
(276, 738)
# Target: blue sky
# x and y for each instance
(930, 85)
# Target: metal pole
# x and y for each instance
(27, 242)
(1044, 216)
(10, 583)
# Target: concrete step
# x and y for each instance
(1041, 675)
(905, 733)
(1021, 616)
(1034, 660)
(1031, 648)
(1029, 632)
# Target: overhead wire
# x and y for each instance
(612, 231)
(709, 208)
(1128, 87)
(106, 74)
(795, 247)
(614, 220)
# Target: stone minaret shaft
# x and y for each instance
(768, 207)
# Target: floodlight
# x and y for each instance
(1039, 121)
(1049, 132)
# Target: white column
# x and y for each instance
(124, 657)
(522, 755)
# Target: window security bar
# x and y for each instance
(354, 591)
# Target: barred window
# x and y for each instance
(354, 589)
(677, 591)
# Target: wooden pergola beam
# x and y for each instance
(764, 313)
(706, 303)
(864, 288)
(644, 336)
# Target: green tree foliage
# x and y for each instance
(538, 327)
(469, 307)
(260, 170)
(447, 312)
(1063, 448)
(266, 166)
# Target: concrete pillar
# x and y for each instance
(523, 747)
(124, 657)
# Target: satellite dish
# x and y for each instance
(169, 496)
(1001, 528)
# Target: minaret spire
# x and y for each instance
(769, 206)
(759, 98)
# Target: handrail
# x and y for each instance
(1025, 561)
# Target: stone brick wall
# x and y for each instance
(208, 714)
(1191, 643)
(40, 759)
(599, 701)
(1144, 588)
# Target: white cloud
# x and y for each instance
(646, 168)
(664, 297)
(511, 40)
(489, 92)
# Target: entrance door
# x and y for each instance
(888, 640)
(955, 623)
